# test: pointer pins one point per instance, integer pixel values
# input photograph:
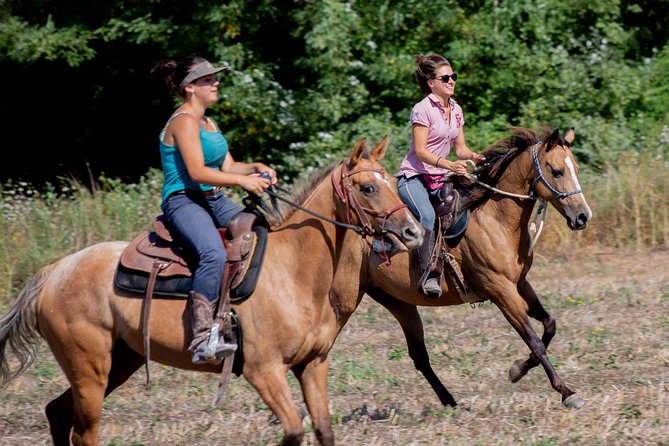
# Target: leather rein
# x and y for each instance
(540, 177)
(343, 188)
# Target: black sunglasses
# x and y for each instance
(446, 77)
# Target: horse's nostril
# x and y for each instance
(411, 233)
(582, 219)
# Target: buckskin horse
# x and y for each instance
(289, 323)
(495, 250)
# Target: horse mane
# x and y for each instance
(498, 157)
(302, 189)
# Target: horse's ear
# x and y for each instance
(357, 152)
(552, 140)
(569, 136)
(379, 151)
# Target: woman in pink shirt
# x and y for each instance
(437, 127)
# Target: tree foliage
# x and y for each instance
(310, 77)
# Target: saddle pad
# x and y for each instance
(136, 282)
(458, 227)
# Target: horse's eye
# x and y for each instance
(557, 173)
(367, 189)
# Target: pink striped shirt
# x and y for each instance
(440, 134)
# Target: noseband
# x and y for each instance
(343, 188)
(540, 177)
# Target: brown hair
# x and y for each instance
(426, 67)
(171, 72)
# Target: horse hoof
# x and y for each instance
(516, 372)
(573, 402)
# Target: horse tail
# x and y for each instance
(18, 328)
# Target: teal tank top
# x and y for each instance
(175, 175)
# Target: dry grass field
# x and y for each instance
(611, 347)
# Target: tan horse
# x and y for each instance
(289, 323)
(495, 251)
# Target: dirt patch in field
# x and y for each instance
(611, 347)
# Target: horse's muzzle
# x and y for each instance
(406, 239)
(581, 222)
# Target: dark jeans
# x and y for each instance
(195, 219)
(418, 198)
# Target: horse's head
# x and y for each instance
(369, 197)
(557, 178)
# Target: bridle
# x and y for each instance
(343, 189)
(540, 177)
(537, 224)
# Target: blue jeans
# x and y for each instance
(195, 219)
(418, 198)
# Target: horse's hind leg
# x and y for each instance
(60, 411)
(412, 326)
(314, 382)
(272, 385)
(125, 362)
(515, 310)
(536, 311)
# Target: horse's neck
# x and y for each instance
(349, 276)
(516, 179)
(329, 255)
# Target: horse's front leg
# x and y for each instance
(314, 381)
(272, 385)
(412, 326)
(514, 308)
(536, 311)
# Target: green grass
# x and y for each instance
(548, 442)
(40, 227)
(396, 353)
(45, 371)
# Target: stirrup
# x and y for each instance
(431, 290)
(213, 349)
(222, 350)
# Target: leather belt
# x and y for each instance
(206, 193)
(210, 192)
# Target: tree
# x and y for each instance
(310, 77)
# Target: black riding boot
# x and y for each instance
(202, 315)
(430, 280)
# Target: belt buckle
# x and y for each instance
(211, 192)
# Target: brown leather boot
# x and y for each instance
(430, 280)
(202, 315)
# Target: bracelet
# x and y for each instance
(437, 163)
